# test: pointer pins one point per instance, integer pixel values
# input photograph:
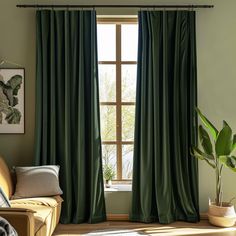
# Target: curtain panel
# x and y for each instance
(67, 110)
(165, 177)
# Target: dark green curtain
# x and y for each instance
(67, 110)
(165, 177)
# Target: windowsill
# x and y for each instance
(119, 188)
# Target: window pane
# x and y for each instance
(107, 83)
(109, 157)
(128, 123)
(106, 34)
(129, 73)
(127, 161)
(108, 123)
(129, 42)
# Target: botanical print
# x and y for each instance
(11, 101)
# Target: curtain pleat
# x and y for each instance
(67, 110)
(165, 177)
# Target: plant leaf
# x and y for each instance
(223, 159)
(196, 152)
(208, 124)
(234, 143)
(232, 161)
(108, 172)
(234, 137)
(224, 141)
(225, 123)
(201, 153)
(228, 161)
(205, 140)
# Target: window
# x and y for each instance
(117, 56)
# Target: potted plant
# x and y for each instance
(108, 175)
(217, 156)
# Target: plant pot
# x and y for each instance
(222, 216)
(108, 183)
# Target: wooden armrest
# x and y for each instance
(14, 209)
(21, 219)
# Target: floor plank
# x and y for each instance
(117, 228)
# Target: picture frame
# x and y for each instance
(12, 99)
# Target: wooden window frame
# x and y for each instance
(118, 103)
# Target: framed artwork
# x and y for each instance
(12, 118)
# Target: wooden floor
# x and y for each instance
(119, 228)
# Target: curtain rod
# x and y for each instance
(112, 6)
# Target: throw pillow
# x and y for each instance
(6, 228)
(37, 181)
(3, 199)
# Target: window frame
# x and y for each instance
(118, 103)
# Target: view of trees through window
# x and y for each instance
(117, 56)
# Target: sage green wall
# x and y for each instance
(216, 48)
(17, 44)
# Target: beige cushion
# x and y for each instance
(37, 181)
(5, 179)
(43, 201)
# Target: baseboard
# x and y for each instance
(125, 217)
(203, 216)
(119, 217)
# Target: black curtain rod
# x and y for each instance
(112, 6)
